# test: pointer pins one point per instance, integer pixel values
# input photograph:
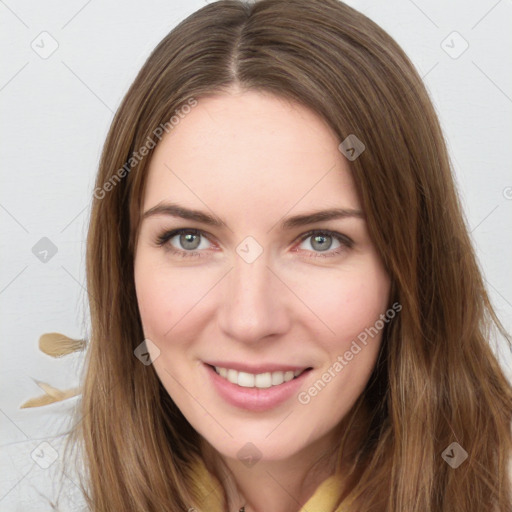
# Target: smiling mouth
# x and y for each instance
(260, 380)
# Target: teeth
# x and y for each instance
(261, 380)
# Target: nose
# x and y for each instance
(253, 303)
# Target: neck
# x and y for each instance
(288, 483)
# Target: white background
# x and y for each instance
(55, 115)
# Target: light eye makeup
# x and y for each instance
(316, 239)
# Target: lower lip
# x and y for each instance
(255, 399)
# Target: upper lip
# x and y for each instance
(256, 368)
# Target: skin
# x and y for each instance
(252, 159)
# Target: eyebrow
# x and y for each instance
(176, 210)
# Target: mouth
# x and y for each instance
(256, 392)
(263, 380)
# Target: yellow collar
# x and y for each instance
(211, 496)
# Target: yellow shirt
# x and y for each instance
(212, 498)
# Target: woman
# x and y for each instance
(287, 313)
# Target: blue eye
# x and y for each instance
(190, 240)
(321, 242)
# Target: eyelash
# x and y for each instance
(345, 241)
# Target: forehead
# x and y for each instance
(250, 151)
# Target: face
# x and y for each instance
(254, 285)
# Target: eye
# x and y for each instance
(322, 241)
(188, 241)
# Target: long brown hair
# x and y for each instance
(437, 380)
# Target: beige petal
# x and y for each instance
(56, 344)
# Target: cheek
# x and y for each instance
(351, 310)
(157, 293)
(345, 303)
(167, 296)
